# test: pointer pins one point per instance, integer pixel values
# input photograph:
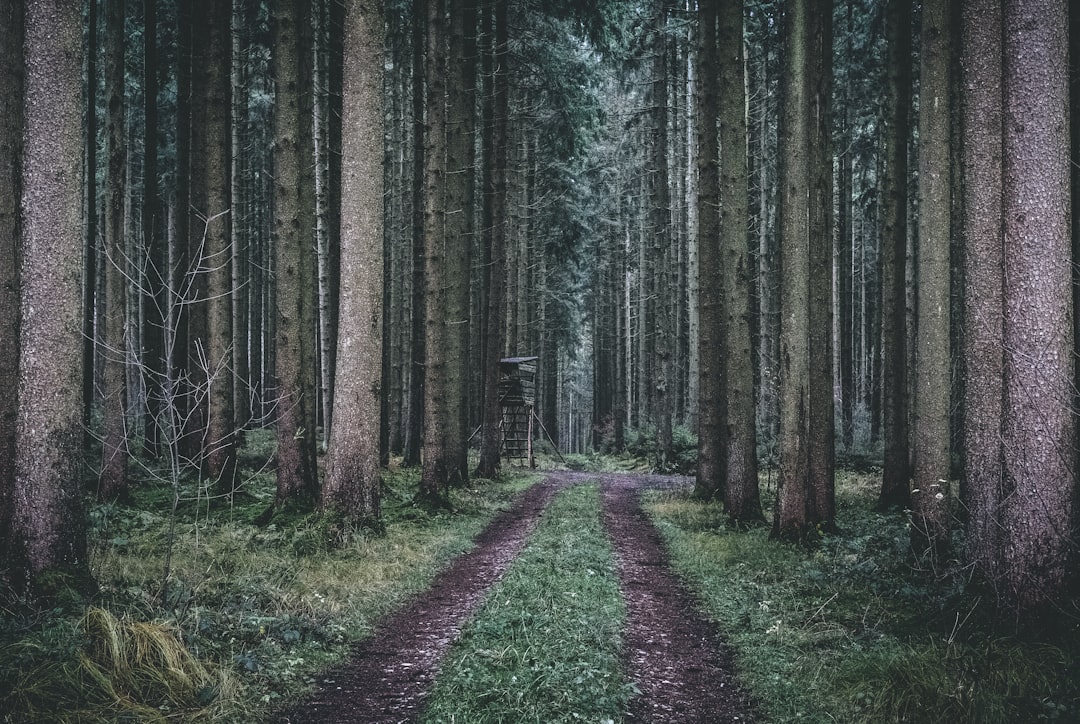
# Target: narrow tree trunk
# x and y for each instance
(11, 129)
(415, 418)
(112, 479)
(931, 431)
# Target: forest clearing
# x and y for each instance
(781, 296)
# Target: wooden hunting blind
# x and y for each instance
(517, 395)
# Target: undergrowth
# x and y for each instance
(852, 631)
(251, 613)
(545, 646)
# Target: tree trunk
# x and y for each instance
(11, 130)
(112, 479)
(48, 462)
(155, 296)
(894, 376)
(711, 473)
(352, 474)
(931, 431)
(495, 214)
(983, 265)
(292, 237)
(1038, 427)
(741, 497)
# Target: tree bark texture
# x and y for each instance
(1038, 426)
(741, 496)
(352, 484)
(11, 129)
(293, 238)
(711, 474)
(48, 462)
(931, 403)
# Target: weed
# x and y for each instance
(545, 647)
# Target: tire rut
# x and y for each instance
(388, 675)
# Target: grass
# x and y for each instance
(252, 613)
(545, 647)
(851, 631)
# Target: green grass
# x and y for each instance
(850, 631)
(252, 613)
(545, 647)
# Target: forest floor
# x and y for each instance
(680, 668)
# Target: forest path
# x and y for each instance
(672, 654)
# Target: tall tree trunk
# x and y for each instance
(415, 418)
(495, 159)
(293, 239)
(352, 476)
(931, 431)
(804, 497)
(711, 473)
(741, 496)
(894, 376)
(50, 520)
(1038, 428)
(156, 279)
(89, 341)
(983, 284)
(112, 479)
(11, 129)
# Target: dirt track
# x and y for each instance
(672, 654)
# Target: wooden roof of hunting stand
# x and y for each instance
(517, 381)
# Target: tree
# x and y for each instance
(112, 479)
(931, 433)
(48, 496)
(711, 474)
(444, 457)
(1038, 430)
(895, 476)
(495, 227)
(983, 262)
(352, 484)
(11, 116)
(293, 238)
(741, 496)
(805, 348)
(210, 329)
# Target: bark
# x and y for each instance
(155, 295)
(11, 128)
(1038, 430)
(495, 214)
(894, 376)
(48, 464)
(112, 479)
(741, 496)
(292, 238)
(711, 474)
(90, 199)
(352, 485)
(931, 430)
(661, 256)
(983, 264)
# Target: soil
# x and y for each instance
(673, 655)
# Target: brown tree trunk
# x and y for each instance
(295, 404)
(352, 485)
(112, 479)
(741, 496)
(931, 431)
(48, 460)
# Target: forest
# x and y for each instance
(792, 281)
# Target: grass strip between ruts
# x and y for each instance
(545, 647)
